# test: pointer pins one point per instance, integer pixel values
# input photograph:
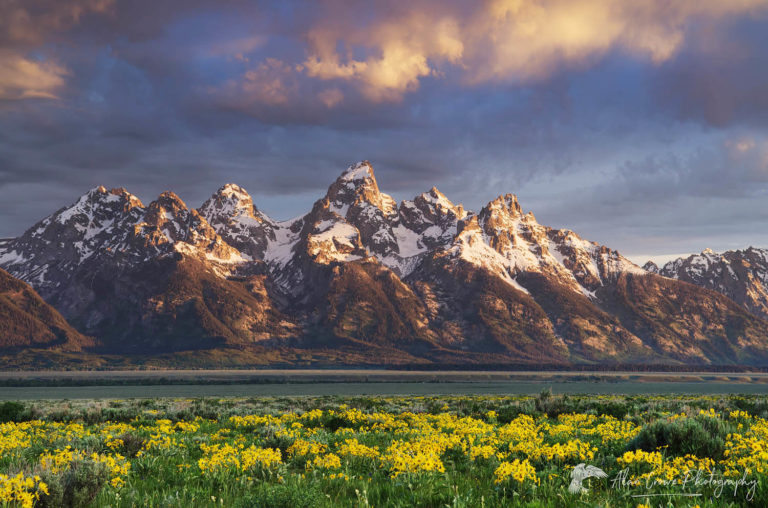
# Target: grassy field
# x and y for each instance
(386, 451)
(373, 389)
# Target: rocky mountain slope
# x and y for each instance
(361, 278)
(741, 275)
(26, 321)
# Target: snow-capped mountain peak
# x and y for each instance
(650, 266)
(231, 212)
(503, 206)
(431, 216)
(236, 194)
(355, 221)
(742, 275)
(355, 199)
(96, 205)
(435, 205)
(65, 239)
(511, 242)
(359, 171)
(110, 224)
(357, 187)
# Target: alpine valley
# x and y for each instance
(359, 280)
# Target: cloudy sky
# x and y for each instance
(642, 125)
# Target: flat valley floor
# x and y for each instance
(20, 385)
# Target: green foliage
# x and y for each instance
(701, 436)
(76, 487)
(284, 496)
(11, 411)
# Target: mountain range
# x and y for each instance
(361, 280)
(741, 275)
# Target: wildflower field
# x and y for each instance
(386, 451)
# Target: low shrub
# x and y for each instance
(11, 411)
(132, 444)
(75, 487)
(701, 436)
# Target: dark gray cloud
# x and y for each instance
(721, 75)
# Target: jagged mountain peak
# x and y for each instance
(741, 275)
(91, 202)
(171, 214)
(438, 204)
(354, 200)
(54, 247)
(232, 201)
(506, 204)
(101, 191)
(234, 216)
(234, 192)
(650, 266)
(356, 178)
(230, 198)
(429, 221)
(358, 171)
(434, 195)
(357, 186)
(94, 213)
(170, 200)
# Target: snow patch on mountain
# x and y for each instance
(280, 250)
(11, 257)
(334, 242)
(357, 172)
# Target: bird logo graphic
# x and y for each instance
(581, 473)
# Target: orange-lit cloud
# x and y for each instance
(25, 24)
(272, 83)
(21, 78)
(749, 152)
(331, 97)
(401, 51)
(524, 40)
(740, 145)
(498, 40)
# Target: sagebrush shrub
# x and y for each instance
(75, 487)
(701, 436)
(11, 411)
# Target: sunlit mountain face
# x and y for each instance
(640, 125)
(360, 279)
